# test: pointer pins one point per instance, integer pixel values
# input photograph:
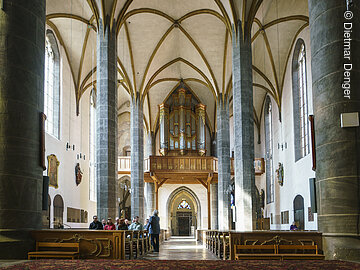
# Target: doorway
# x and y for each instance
(184, 222)
(299, 212)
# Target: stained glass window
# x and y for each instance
(184, 205)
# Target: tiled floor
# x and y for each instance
(181, 248)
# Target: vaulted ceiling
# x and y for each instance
(163, 42)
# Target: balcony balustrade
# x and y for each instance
(167, 164)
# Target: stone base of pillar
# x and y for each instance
(341, 247)
(15, 244)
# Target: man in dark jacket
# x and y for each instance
(95, 225)
(154, 230)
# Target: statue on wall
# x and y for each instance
(280, 174)
(78, 174)
(52, 172)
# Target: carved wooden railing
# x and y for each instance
(182, 164)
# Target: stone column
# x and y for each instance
(106, 122)
(213, 145)
(200, 127)
(337, 149)
(149, 199)
(150, 187)
(150, 149)
(22, 54)
(137, 158)
(214, 206)
(164, 128)
(243, 131)
(223, 150)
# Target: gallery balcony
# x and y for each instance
(181, 170)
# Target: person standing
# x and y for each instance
(96, 224)
(154, 230)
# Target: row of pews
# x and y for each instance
(277, 245)
(92, 244)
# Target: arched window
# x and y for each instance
(92, 154)
(58, 211)
(184, 205)
(52, 86)
(269, 152)
(300, 101)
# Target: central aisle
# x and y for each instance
(181, 248)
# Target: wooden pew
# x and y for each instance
(258, 252)
(308, 252)
(129, 250)
(225, 250)
(93, 244)
(55, 250)
(274, 238)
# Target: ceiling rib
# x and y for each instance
(224, 62)
(131, 57)
(153, 55)
(126, 76)
(95, 10)
(57, 33)
(71, 16)
(277, 21)
(77, 91)
(179, 59)
(289, 54)
(202, 56)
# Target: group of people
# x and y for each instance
(152, 225)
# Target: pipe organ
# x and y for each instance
(182, 123)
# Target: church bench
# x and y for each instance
(55, 250)
(260, 252)
(225, 246)
(308, 252)
(275, 238)
(129, 250)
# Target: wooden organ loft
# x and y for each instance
(182, 159)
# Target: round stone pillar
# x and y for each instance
(137, 158)
(22, 54)
(335, 49)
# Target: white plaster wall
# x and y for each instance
(296, 174)
(75, 130)
(164, 194)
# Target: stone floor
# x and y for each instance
(177, 248)
(4, 263)
(181, 248)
